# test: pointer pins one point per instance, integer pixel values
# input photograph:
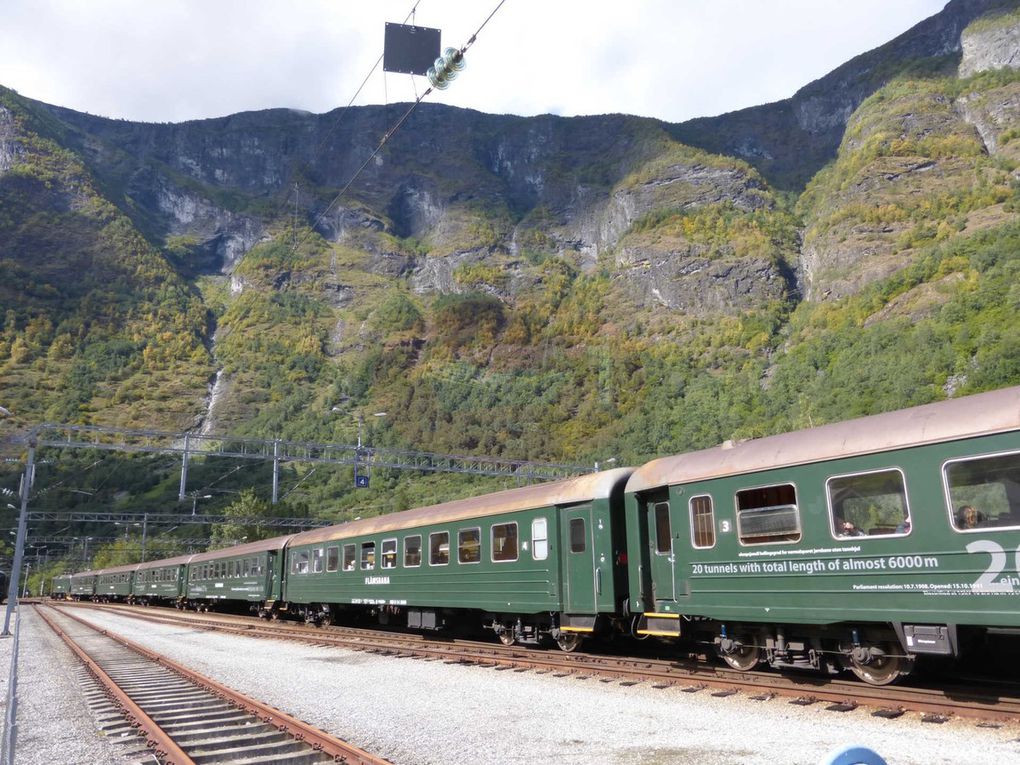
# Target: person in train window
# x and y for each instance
(845, 528)
(969, 517)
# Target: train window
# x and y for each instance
(577, 536)
(984, 493)
(702, 522)
(349, 557)
(868, 504)
(367, 555)
(504, 542)
(469, 545)
(302, 562)
(332, 558)
(539, 539)
(439, 548)
(663, 533)
(412, 551)
(317, 559)
(768, 515)
(389, 553)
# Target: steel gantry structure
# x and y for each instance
(279, 451)
(187, 445)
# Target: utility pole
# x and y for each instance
(19, 545)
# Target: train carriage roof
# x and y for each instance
(274, 543)
(180, 560)
(981, 414)
(115, 569)
(581, 489)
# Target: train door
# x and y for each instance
(579, 576)
(659, 539)
(272, 578)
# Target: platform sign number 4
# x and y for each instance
(361, 481)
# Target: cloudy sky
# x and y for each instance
(172, 60)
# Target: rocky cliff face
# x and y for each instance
(790, 140)
(9, 149)
(991, 43)
(510, 213)
(923, 159)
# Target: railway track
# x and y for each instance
(185, 717)
(990, 704)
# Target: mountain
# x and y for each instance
(544, 288)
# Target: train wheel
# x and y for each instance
(569, 641)
(506, 637)
(740, 655)
(881, 669)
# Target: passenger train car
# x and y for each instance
(60, 587)
(859, 545)
(537, 561)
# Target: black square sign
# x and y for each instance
(410, 50)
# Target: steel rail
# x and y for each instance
(339, 750)
(803, 689)
(166, 749)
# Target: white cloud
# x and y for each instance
(183, 59)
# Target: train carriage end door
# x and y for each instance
(273, 589)
(661, 555)
(579, 575)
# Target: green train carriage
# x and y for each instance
(60, 587)
(250, 573)
(83, 585)
(161, 581)
(843, 546)
(528, 562)
(115, 583)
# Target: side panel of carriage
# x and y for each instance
(60, 588)
(566, 559)
(160, 582)
(114, 585)
(249, 573)
(83, 586)
(499, 563)
(874, 538)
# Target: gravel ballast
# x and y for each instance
(415, 712)
(55, 723)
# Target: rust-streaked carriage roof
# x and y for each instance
(114, 569)
(581, 489)
(274, 543)
(180, 560)
(982, 414)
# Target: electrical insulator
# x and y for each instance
(445, 68)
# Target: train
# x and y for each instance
(858, 546)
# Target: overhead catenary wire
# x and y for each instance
(389, 133)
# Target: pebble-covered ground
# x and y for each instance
(415, 712)
(55, 724)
